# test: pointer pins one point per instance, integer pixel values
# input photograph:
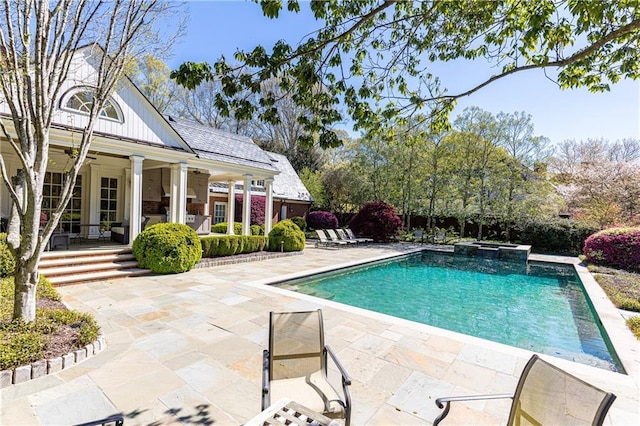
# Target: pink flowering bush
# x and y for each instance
(615, 247)
(258, 205)
(377, 220)
(322, 220)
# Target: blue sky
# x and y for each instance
(221, 27)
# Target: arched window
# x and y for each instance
(81, 101)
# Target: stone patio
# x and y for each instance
(187, 349)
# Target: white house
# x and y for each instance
(140, 162)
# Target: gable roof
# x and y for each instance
(213, 144)
(288, 184)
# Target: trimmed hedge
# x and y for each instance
(286, 236)
(615, 247)
(377, 220)
(322, 220)
(563, 236)
(228, 245)
(221, 228)
(7, 262)
(167, 248)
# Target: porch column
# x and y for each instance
(127, 194)
(231, 206)
(135, 210)
(246, 205)
(178, 192)
(268, 207)
(94, 200)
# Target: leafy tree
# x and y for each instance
(313, 182)
(38, 41)
(374, 56)
(151, 76)
(525, 151)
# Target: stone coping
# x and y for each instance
(44, 367)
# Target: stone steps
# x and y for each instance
(73, 267)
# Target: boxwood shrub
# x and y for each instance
(7, 262)
(221, 228)
(286, 236)
(301, 222)
(228, 245)
(167, 248)
(615, 247)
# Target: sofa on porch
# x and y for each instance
(120, 230)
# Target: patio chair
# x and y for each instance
(339, 235)
(418, 236)
(295, 366)
(439, 237)
(352, 236)
(547, 395)
(326, 242)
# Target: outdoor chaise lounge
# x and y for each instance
(352, 236)
(295, 366)
(547, 395)
(334, 237)
(326, 242)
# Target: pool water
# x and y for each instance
(537, 306)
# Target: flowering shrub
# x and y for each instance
(615, 247)
(322, 220)
(377, 220)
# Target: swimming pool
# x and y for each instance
(537, 306)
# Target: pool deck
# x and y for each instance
(187, 349)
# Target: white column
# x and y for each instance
(127, 194)
(178, 192)
(246, 205)
(231, 206)
(94, 200)
(268, 207)
(135, 211)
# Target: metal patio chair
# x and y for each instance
(296, 366)
(547, 395)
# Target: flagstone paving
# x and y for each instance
(187, 349)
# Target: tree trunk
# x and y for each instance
(26, 281)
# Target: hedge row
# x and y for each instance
(228, 245)
(221, 228)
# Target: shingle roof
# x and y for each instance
(214, 144)
(286, 185)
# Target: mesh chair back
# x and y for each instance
(547, 395)
(296, 343)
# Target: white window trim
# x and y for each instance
(79, 89)
(226, 210)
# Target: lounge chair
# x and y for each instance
(547, 395)
(418, 236)
(325, 242)
(295, 366)
(353, 237)
(115, 420)
(334, 237)
(439, 237)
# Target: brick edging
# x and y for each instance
(50, 366)
(209, 262)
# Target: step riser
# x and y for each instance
(65, 268)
